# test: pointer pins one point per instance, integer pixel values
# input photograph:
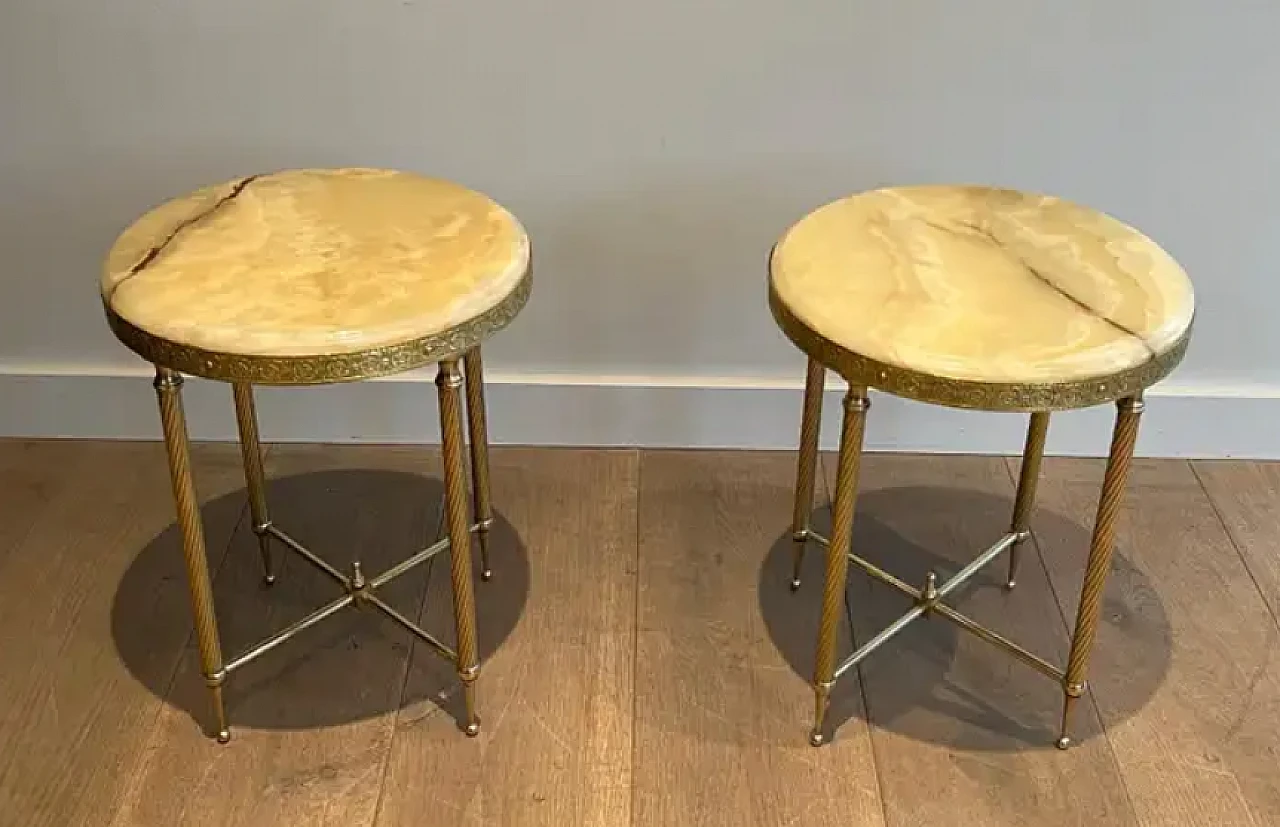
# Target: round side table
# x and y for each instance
(977, 298)
(307, 277)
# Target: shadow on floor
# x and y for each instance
(935, 682)
(351, 666)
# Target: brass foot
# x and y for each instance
(264, 548)
(486, 573)
(799, 539)
(472, 726)
(1014, 551)
(821, 701)
(1071, 693)
(214, 682)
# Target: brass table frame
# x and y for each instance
(1124, 388)
(454, 350)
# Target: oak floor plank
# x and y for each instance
(1247, 496)
(98, 568)
(1185, 671)
(964, 733)
(101, 703)
(32, 473)
(312, 721)
(723, 706)
(557, 638)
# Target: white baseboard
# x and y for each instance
(694, 412)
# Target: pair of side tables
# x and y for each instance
(967, 297)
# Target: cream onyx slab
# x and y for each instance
(964, 287)
(308, 262)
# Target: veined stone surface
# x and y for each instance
(982, 284)
(314, 262)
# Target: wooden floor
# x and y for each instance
(645, 661)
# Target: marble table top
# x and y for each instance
(315, 262)
(984, 285)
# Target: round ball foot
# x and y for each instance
(795, 585)
(472, 729)
(816, 739)
(1063, 742)
(269, 580)
(223, 736)
(486, 575)
(1009, 585)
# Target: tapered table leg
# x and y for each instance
(1129, 411)
(1032, 455)
(477, 423)
(855, 412)
(806, 466)
(255, 480)
(168, 386)
(448, 381)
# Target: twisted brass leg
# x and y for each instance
(855, 411)
(251, 450)
(169, 391)
(1129, 411)
(1032, 454)
(456, 517)
(479, 433)
(806, 466)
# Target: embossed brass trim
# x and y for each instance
(323, 368)
(968, 393)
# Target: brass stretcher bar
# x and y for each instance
(358, 592)
(929, 600)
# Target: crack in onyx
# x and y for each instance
(1083, 306)
(1092, 311)
(159, 248)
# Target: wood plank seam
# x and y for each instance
(638, 459)
(1235, 542)
(149, 745)
(1067, 626)
(428, 569)
(881, 790)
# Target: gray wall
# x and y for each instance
(655, 150)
